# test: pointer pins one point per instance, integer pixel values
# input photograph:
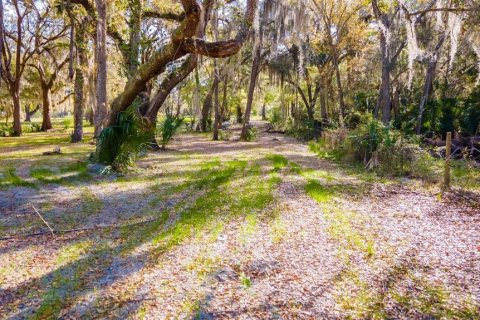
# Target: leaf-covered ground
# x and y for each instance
(229, 230)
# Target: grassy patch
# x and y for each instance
(432, 301)
(79, 169)
(279, 162)
(403, 293)
(73, 251)
(90, 203)
(44, 175)
(9, 178)
(64, 175)
(465, 174)
(248, 228)
(318, 191)
(245, 281)
(227, 189)
(227, 195)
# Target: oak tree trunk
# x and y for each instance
(384, 100)
(323, 104)
(216, 122)
(135, 30)
(224, 100)
(46, 120)
(428, 85)
(341, 98)
(79, 86)
(29, 113)
(207, 107)
(396, 105)
(101, 63)
(78, 106)
(17, 125)
(239, 114)
(253, 81)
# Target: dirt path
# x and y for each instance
(259, 230)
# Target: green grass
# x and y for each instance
(204, 264)
(248, 228)
(219, 200)
(73, 251)
(44, 175)
(78, 166)
(318, 191)
(465, 174)
(215, 191)
(434, 301)
(90, 203)
(200, 213)
(245, 281)
(279, 162)
(65, 174)
(341, 226)
(404, 292)
(9, 178)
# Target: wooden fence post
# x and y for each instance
(448, 151)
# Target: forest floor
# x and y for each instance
(229, 230)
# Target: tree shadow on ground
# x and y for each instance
(98, 269)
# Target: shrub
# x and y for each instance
(379, 148)
(470, 118)
(369, 139)
(251, 134)
(67, 123)
(120, 144)
(168, 128)
(225, 135)
(5, 130)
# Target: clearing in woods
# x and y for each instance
(228, 230)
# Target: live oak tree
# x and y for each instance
(183, 41)
(48, 68)
(29, 32)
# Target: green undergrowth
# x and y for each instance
(9, 178)
(279, 162)
(423, 167)
(65, 174)
(402, 292)
(90, 203)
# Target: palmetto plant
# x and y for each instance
(168, 128)
(121, 143)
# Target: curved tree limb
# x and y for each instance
(181, 43)
(163, 15)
